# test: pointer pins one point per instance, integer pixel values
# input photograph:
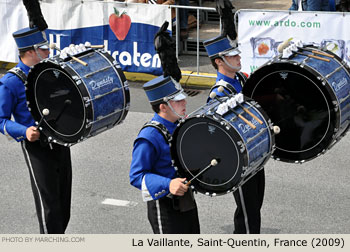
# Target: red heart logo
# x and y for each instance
(120, 24)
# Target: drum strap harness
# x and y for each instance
(19, 73)
(241, 78)
(162, 129)
(186, 202)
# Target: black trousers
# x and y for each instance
(249, 199)
(50, 173)
(164, 219)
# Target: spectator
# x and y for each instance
(310, 5)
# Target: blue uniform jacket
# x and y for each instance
(151, 170)
(233, 82)
(13, 102)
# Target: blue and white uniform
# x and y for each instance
(249, 197)
(49, 167)
(151, 170)
(13, 102)
(235, 84)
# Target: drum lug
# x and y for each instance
(239, 143)
(88, 123)
(194, 189)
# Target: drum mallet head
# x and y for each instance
(276, 129)
(45, 112)
(53, 46)
(212, 95)
(214, 162)
(222, 90)
(283, 45)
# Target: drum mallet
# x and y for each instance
(316, 52)
(213, 162)
(222, 90)
(45, 112)
(310, 56)
(88, 45)
(54, 47)
(213, 96)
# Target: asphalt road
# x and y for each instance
(309, 198)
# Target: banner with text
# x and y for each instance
(128, 37)
(260, 33)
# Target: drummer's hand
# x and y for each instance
(32, 134)
(177, 186)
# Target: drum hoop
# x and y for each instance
(237, 168)
(122, 82)
(36, 101)
(328, 125)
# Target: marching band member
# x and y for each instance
(49, 166)
(170, 204)
(224, 55)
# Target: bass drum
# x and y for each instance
(307, 97)
(82, 101)
(240, 150)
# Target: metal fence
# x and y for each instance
(177, 37)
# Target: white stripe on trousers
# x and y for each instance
(159, 217)
(244, 210)
(36, 185)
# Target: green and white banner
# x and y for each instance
(260, 33)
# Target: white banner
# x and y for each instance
(129, 41)
(260, 33)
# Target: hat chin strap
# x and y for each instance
(172, 109)
(229, 65)
(37, 52)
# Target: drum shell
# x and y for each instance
(329, 81)
(240, 149)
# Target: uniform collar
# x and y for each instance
(23, 66)
(221, 76)
(170, 125)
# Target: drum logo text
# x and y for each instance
(340, 84)
(245, 128)
(104, 82)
